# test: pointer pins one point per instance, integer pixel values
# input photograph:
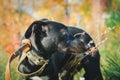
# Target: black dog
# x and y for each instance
(59, 44)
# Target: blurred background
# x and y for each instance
(100, 18)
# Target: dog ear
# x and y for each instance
(29, 31)
(42, 25)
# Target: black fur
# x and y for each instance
(49, 39)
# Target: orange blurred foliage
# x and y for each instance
(9, 49)
(12, 26)
(17, 15)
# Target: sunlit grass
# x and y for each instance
(79, 74)
(110, 61)
(3, 61)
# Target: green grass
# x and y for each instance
(3, 61)
(110, 59)
(78, 75)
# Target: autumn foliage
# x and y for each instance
(12, 26)
(94, 16)
(17, 15)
